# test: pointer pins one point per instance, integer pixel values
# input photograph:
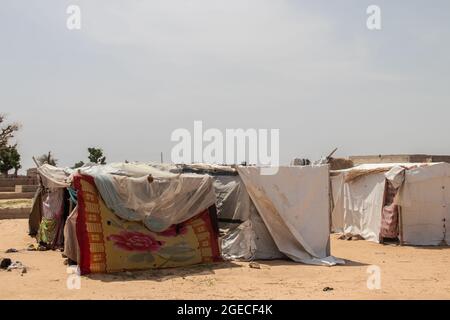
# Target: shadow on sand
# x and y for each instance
(160, 275)
(274, 263)
(441, 247)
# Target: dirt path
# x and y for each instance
(406, 273)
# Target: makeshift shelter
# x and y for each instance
(51, 206)
(424, 201)
(286, 214)
(244, 234)
(405, 201)
(140, 216)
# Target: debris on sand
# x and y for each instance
(42, 248)
(31, 247)
(11, 250)
(327, 289)
(5, 263)
(344, 237)
(16, 265)
(350, 237)
(69, 262)
(254, 265)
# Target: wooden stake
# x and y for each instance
(400, 224)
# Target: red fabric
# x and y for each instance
(389, 214)
(130, 240)
(389, 222)
(82, 234)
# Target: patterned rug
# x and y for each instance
(111, 244)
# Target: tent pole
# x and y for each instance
(400, 224)
(330, 211)
(35, 161)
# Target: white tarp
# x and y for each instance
(54, 177)
(358, 206)
(396, 176)
(294, 205)
(425, 204)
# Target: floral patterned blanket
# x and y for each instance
(110, 244)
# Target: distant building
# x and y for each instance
(398, 158)
(300, 162)
(32, 172)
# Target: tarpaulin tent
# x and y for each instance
(285, 214)
(244, 234)
(358, 204)
(364, 205)
(109, 243)
(138, 216)
(51, 206)
(424, 199)
(133, 216)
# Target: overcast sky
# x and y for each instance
(137, 70)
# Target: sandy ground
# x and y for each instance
(406, 273)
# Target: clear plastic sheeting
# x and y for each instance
(158, 202)
(166, 201)
(134, 170)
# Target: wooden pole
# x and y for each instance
(35, 161)
(400, 224)
(330, 212)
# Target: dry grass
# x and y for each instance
(16, 203)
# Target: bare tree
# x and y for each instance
(7, 132)
(9, 156)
